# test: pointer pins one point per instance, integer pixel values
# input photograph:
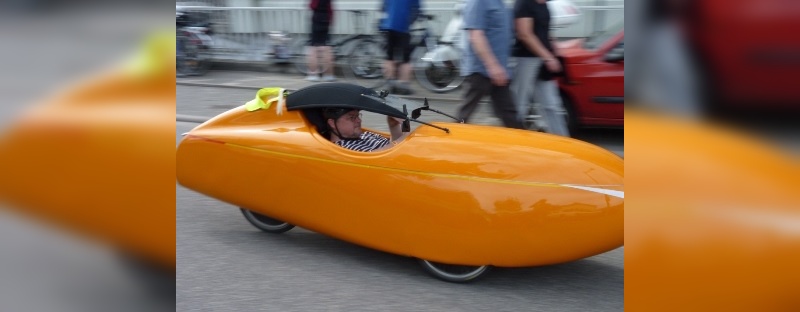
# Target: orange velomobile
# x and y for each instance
(96, 158)
(459, 197)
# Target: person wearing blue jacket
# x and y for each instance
(399, 15)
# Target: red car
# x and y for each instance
(748, 53)
(594, 85)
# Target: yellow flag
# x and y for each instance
(264, 99)
(152, 58)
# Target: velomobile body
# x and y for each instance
(471, 195)
(97, 158)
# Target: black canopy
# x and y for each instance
(347, 95)
(312, 100)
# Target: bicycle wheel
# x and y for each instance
(299, 51)
(193, 58)
(364, 65)
(180, 55)
(437, 75)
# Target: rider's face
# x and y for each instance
(349, 125)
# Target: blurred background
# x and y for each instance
(67, 243)
(733, 61)
(712, 169)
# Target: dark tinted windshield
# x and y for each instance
(596, 39)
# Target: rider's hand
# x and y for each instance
(393, 121)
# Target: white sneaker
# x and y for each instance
(312, 78)
(328, 78)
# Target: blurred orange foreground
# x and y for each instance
(712, 221)
(98, 158)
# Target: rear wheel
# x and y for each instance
(265, 223)
(364, 65)
(438, 77)
(571, 114)
(453, 273)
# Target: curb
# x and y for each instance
(252, 66)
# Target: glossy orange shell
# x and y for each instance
(475, 196)
(97, 158)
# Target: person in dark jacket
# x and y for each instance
(321, 20)
(537, 65)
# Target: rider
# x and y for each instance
(345, 130)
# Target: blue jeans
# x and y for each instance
(524, 83)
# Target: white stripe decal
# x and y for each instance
(618, 194)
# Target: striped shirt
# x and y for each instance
(367, 142)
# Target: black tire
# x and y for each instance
(572, 116)
(265, 223)
(155, 279)
(454, 273)
(440, 79)
(365, 64)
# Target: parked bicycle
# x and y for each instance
(357, 51)
(193, 43)
(421, 43)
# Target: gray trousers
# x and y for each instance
(479, 86)
(545, 92)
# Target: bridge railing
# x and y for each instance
(243, 31)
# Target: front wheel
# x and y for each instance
(266, 224)
(453, 273)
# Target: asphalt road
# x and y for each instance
(225, 264)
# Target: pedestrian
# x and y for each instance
(321, 19)
(399, 15)
(488, 27)
(537, 65)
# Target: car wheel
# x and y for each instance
(266, 224)
(571, 114)
(453, 273)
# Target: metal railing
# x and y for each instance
(241, 32)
